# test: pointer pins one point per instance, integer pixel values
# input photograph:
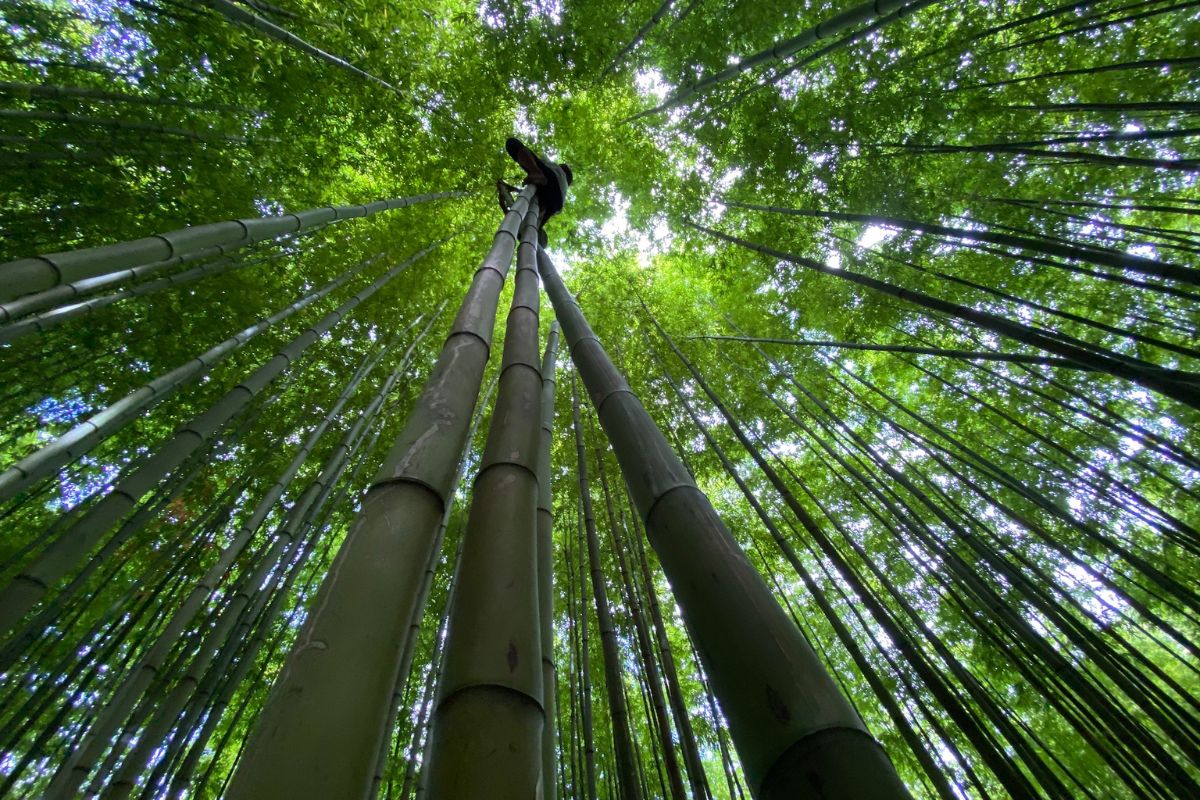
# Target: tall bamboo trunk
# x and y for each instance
(414, 625)
(585, 672)
(151, 663)
(795, 732)
(319, 733)
(657, 702)
(65, 553)
(487, 727)
(614, 679)
(545, 556)
(679, 709)
(60, 275)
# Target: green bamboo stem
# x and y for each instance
(218, 687)
(46, 272)
(41, 574)
(427, 580)
(32, 90)
(237, 14)
(585, 661)
(119, 125)
(964, 355)
(663, 9)
(291, 543)
(545, 567)
(697, 777)
(864, 12)
(40, 312)
(655, 700)
(151, 663)
(1115, 260)
(614, 674)
(791, 726)
(106, 422)
(486, 730)
(1173, 383)
(318, 733)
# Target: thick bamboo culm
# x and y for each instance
(793, 729)
(43, 573)
(104, 423)
(77, 766)
(64, 273)
(319, 732)
(486, 730)
(545, 568)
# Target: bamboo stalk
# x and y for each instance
(41, 574)
(545, 567)
(319, 733)
(486, 730)
(782, 707)
(46, 272)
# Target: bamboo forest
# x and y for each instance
(839, 439)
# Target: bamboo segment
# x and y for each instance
(1124, 261)
(545, 556)
(1178, 385)
(318, 735)
(863, 12)
(236, 13)
(76, 767)
(293, 538)
(614, 680)
(487, 726)
(65, 273)
(796, 734)
(414, 624)
(65, 553)
(104, 423)
(679, 710)
(642, 635)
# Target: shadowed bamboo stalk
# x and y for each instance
(545, 567)
(487, 726)
(119, 124)
(236, 13)
(679, 709)
(1178, 385)
(614, 680)
(62, 276)
(1116, 260)
(48, 320)
(318, 734)
(32, 90)
(214, 693)
(585, 661)
(964, 355)
(267, 583)
(659, 13)
(655, 701)
(881, 690)
(864, 12)
(106, 422)
(427, 580)
(75, 767)
(795, 733)
(49, 615)
(41, 574)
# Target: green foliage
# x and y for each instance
(1064, 496)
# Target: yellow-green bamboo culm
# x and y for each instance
(545, 558)
(796, 734)
(70, 271)
(487, 725)
(318, 734)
